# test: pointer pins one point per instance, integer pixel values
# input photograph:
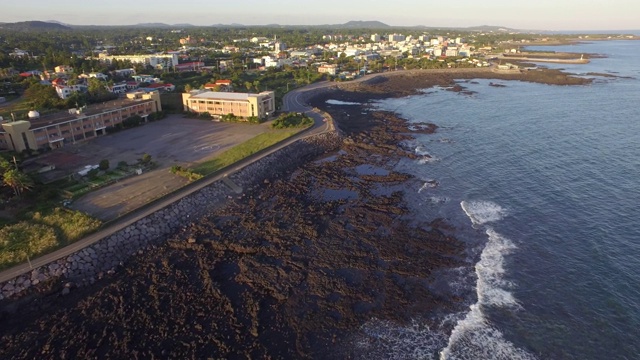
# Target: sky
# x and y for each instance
(530, 15)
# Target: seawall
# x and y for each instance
(104, 257)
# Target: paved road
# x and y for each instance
(293, 103)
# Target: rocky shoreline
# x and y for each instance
(292, 269)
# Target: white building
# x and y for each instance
(124, 72)
(64, 91)
(279, 46)
(117, 88)
(375, 38)
(154, 60)
(451, 51)
(330, 69)
(396, 37)
(98, 75)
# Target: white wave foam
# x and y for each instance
(428, 184)
(339, 102)
(421, 150)
(427, 159)
(482, 212)
(474, 337)
(490, 270)
(385, 340)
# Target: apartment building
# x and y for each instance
(55, 130)
(243, 105)
(154, 60)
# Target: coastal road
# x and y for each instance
(295, 101)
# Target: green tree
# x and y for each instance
(42, 96)
(17, 180)
(146, 158)
(104, 165)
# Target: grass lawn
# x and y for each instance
(243, 150)
(41, 233)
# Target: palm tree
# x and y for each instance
(17, 180)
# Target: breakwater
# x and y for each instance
(104, 257)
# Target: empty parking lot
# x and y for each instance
(171, 141)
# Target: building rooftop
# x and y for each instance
(225, 95)
(64, 115)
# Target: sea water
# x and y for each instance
(543, 184)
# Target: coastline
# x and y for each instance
(289, 270)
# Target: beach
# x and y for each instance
(292, 269)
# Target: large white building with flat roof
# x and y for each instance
(157, 61)
(243, 105)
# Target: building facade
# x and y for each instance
(243, 105)
(155, 60)
(53, 131)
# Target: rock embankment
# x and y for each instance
(104, 257)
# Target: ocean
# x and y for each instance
(542, 183)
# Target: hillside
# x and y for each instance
(33, 26)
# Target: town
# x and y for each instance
(63, 91)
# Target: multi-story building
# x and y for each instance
(331, 69)
(375, 38)
(243, 105)
(451, 51)
(64, 91)
(279, 46)
(55, 130)
(154, 60)
(396, 37)
(63, 69)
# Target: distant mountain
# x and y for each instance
(58, 22)
(347, 25)
(488, 28)
(151, 25)
(364, 25)
(34, 26)
(238, 25)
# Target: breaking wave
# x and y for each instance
(482, 212)
(474, 337)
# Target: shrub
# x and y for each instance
(93, 173)
(292, 120)
(186, 173)
(254, 120)
(122, 165)
(229, 117)
(146, 158)
(158, 115)
(132, 121)
(104, 164)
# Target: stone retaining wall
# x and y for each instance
(103, 257)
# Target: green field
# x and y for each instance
(42, 233)
(243, 150)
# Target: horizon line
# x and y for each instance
(232, 24)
